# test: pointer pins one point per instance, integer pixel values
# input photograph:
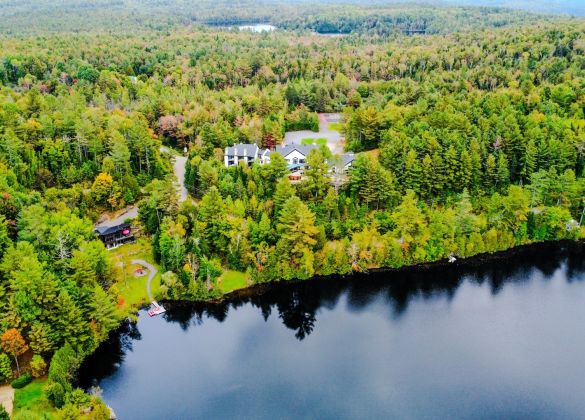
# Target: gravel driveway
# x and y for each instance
(334, 138)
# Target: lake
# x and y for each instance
(499, 337)
(260, 27)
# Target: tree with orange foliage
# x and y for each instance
(13, 343)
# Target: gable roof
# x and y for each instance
(347, 158)
(342, 160)
(303, 149)
(242, 149)
(108, 230)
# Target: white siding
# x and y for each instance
(295, 154)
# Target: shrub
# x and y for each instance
(5, 367)
(38, 366)
(63, 365)
(78, 398)
(21, 381)
(3, 413)
(55, 393)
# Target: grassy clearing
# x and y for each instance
(31, 402)
(336, 126)
(232, 280)
(133, 288)
(321, 141)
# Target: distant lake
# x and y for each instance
(260, 27)
(486, 339)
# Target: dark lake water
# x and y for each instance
(495, 339)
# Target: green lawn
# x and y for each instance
(336, 126)
(31, 402)
(321, 141)
(232, 280)
(132, 288)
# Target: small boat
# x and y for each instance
(452, 259)
(156, 309)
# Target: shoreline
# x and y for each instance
(129, 324)
(261, 288)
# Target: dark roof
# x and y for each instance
(304, 149)
(108, 230)
(241, 149)
(347, 158)
(343, 160)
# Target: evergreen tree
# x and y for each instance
(412, 172)
(503, 172)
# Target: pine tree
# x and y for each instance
(297, 230)
(410, 222)
(69, 321)
(212, 213)
(451, 168)
(427, 177)
(503, 172)
(490, 174)
(316, 184)
(439, 174)
(529, 161)
(465, 171)
(284, 191)
(41, 338)
(103, 312)
(476, 172)
(412, 172)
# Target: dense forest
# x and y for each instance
(328, 16)
(467, 142)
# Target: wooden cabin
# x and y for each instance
(114, 236)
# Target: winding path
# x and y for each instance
(130, 213)
(151, 273)
(7, 398)
(179, 162)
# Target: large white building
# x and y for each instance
(244, 152)
(294, 154)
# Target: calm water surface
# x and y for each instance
(498, 339)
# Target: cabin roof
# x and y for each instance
(347, 158)
(108, 230)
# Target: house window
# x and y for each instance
(295, 161)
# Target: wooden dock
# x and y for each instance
(156, 309)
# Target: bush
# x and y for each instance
(5, 367)
(63, 365)
(21, 381)
(38, 366)
(3, 413)
(55, 393)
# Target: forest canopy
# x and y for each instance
(467, 128)
(376, 17)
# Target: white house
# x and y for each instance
(342, 164)
(293, 154)
(244, 152)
